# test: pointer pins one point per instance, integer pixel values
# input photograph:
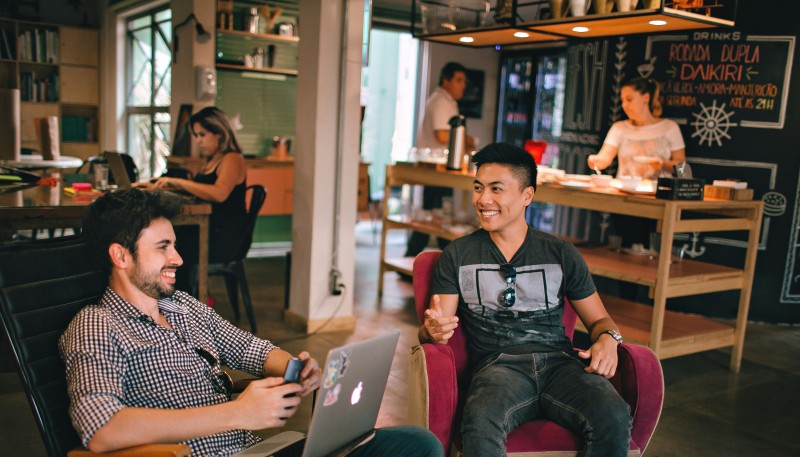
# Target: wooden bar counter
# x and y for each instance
(668, 333)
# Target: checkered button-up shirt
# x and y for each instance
(118, 357)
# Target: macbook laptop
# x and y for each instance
(118, 170)
(353, 382)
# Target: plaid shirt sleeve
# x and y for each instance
(94, 372)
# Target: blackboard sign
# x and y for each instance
(712, 81)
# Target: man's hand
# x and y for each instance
(602, 355)
(311, 375)
(439, 328)
(267, 403)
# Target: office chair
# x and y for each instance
(438, 379)
(233, 270)
(43, 284)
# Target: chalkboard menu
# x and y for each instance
(729, 91)
(715, 80)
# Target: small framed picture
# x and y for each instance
(182, 144)
(471, 104)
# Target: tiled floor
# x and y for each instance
(708, 411)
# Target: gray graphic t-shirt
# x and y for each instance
(547, 270)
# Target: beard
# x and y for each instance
(150, 282)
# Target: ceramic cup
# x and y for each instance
(579, 7)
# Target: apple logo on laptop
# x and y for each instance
(355, 397)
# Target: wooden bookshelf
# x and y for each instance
(56, 69)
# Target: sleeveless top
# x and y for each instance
(227, 220)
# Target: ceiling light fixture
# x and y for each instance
(658, 22)
(521, 34)
(580, 29)
(466, 39)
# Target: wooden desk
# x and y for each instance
(668, 333)
(46, 207)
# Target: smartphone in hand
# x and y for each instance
(293, 370)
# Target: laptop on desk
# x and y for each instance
(117, 167)
(353, 383)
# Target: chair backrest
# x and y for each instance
(423, 272)
(43, 284)
(257, 197)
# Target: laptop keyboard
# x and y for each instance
(293, 450)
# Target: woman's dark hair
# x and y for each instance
(521, 163)
(120, 216)
(216, 121)
(651, 87)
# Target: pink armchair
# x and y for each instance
(437, 386)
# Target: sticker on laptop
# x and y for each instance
(332, 396)
(344, 363)
(331, 374)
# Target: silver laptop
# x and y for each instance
(118, 170)
(353, 382)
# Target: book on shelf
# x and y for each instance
(5, 51)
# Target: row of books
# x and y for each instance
(43, 89)
(38, 45)
(77, 128)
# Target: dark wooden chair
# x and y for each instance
(232, 269)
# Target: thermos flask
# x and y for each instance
(457, 143)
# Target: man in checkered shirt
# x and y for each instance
(144, 364)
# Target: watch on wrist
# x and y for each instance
(614, 334)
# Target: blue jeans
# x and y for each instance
(513, 389)
(401, 441)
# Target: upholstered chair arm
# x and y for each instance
(145, 450)
(433, 390)
(640, 381)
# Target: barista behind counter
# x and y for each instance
(645, 146)
(434, 132)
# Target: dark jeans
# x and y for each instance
(514, 389)
(401, 441)
(431, 199)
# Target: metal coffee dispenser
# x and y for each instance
(457, 143)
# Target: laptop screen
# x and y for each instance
(118, 170)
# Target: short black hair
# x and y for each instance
(120, 217)
(449, 70)
(521, 163)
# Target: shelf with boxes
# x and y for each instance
(55, 69)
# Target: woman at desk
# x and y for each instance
(642, 136)
(221, 181)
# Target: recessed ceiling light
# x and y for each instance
(521, 34)
(466, 39)
(658, 22)
(580, 29)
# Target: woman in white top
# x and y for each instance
(642, 136)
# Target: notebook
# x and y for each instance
(353, 382)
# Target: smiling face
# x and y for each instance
(500, 198)
(156, 260)
(207, 142)
(635, 104)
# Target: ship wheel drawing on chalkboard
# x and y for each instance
(712, 124)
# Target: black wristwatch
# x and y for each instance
(614, 334)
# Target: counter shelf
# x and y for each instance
(668, 333)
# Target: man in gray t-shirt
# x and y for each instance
(508, 284)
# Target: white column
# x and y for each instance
(327, 145)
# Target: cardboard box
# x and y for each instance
(727, 193)
(680, 188)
